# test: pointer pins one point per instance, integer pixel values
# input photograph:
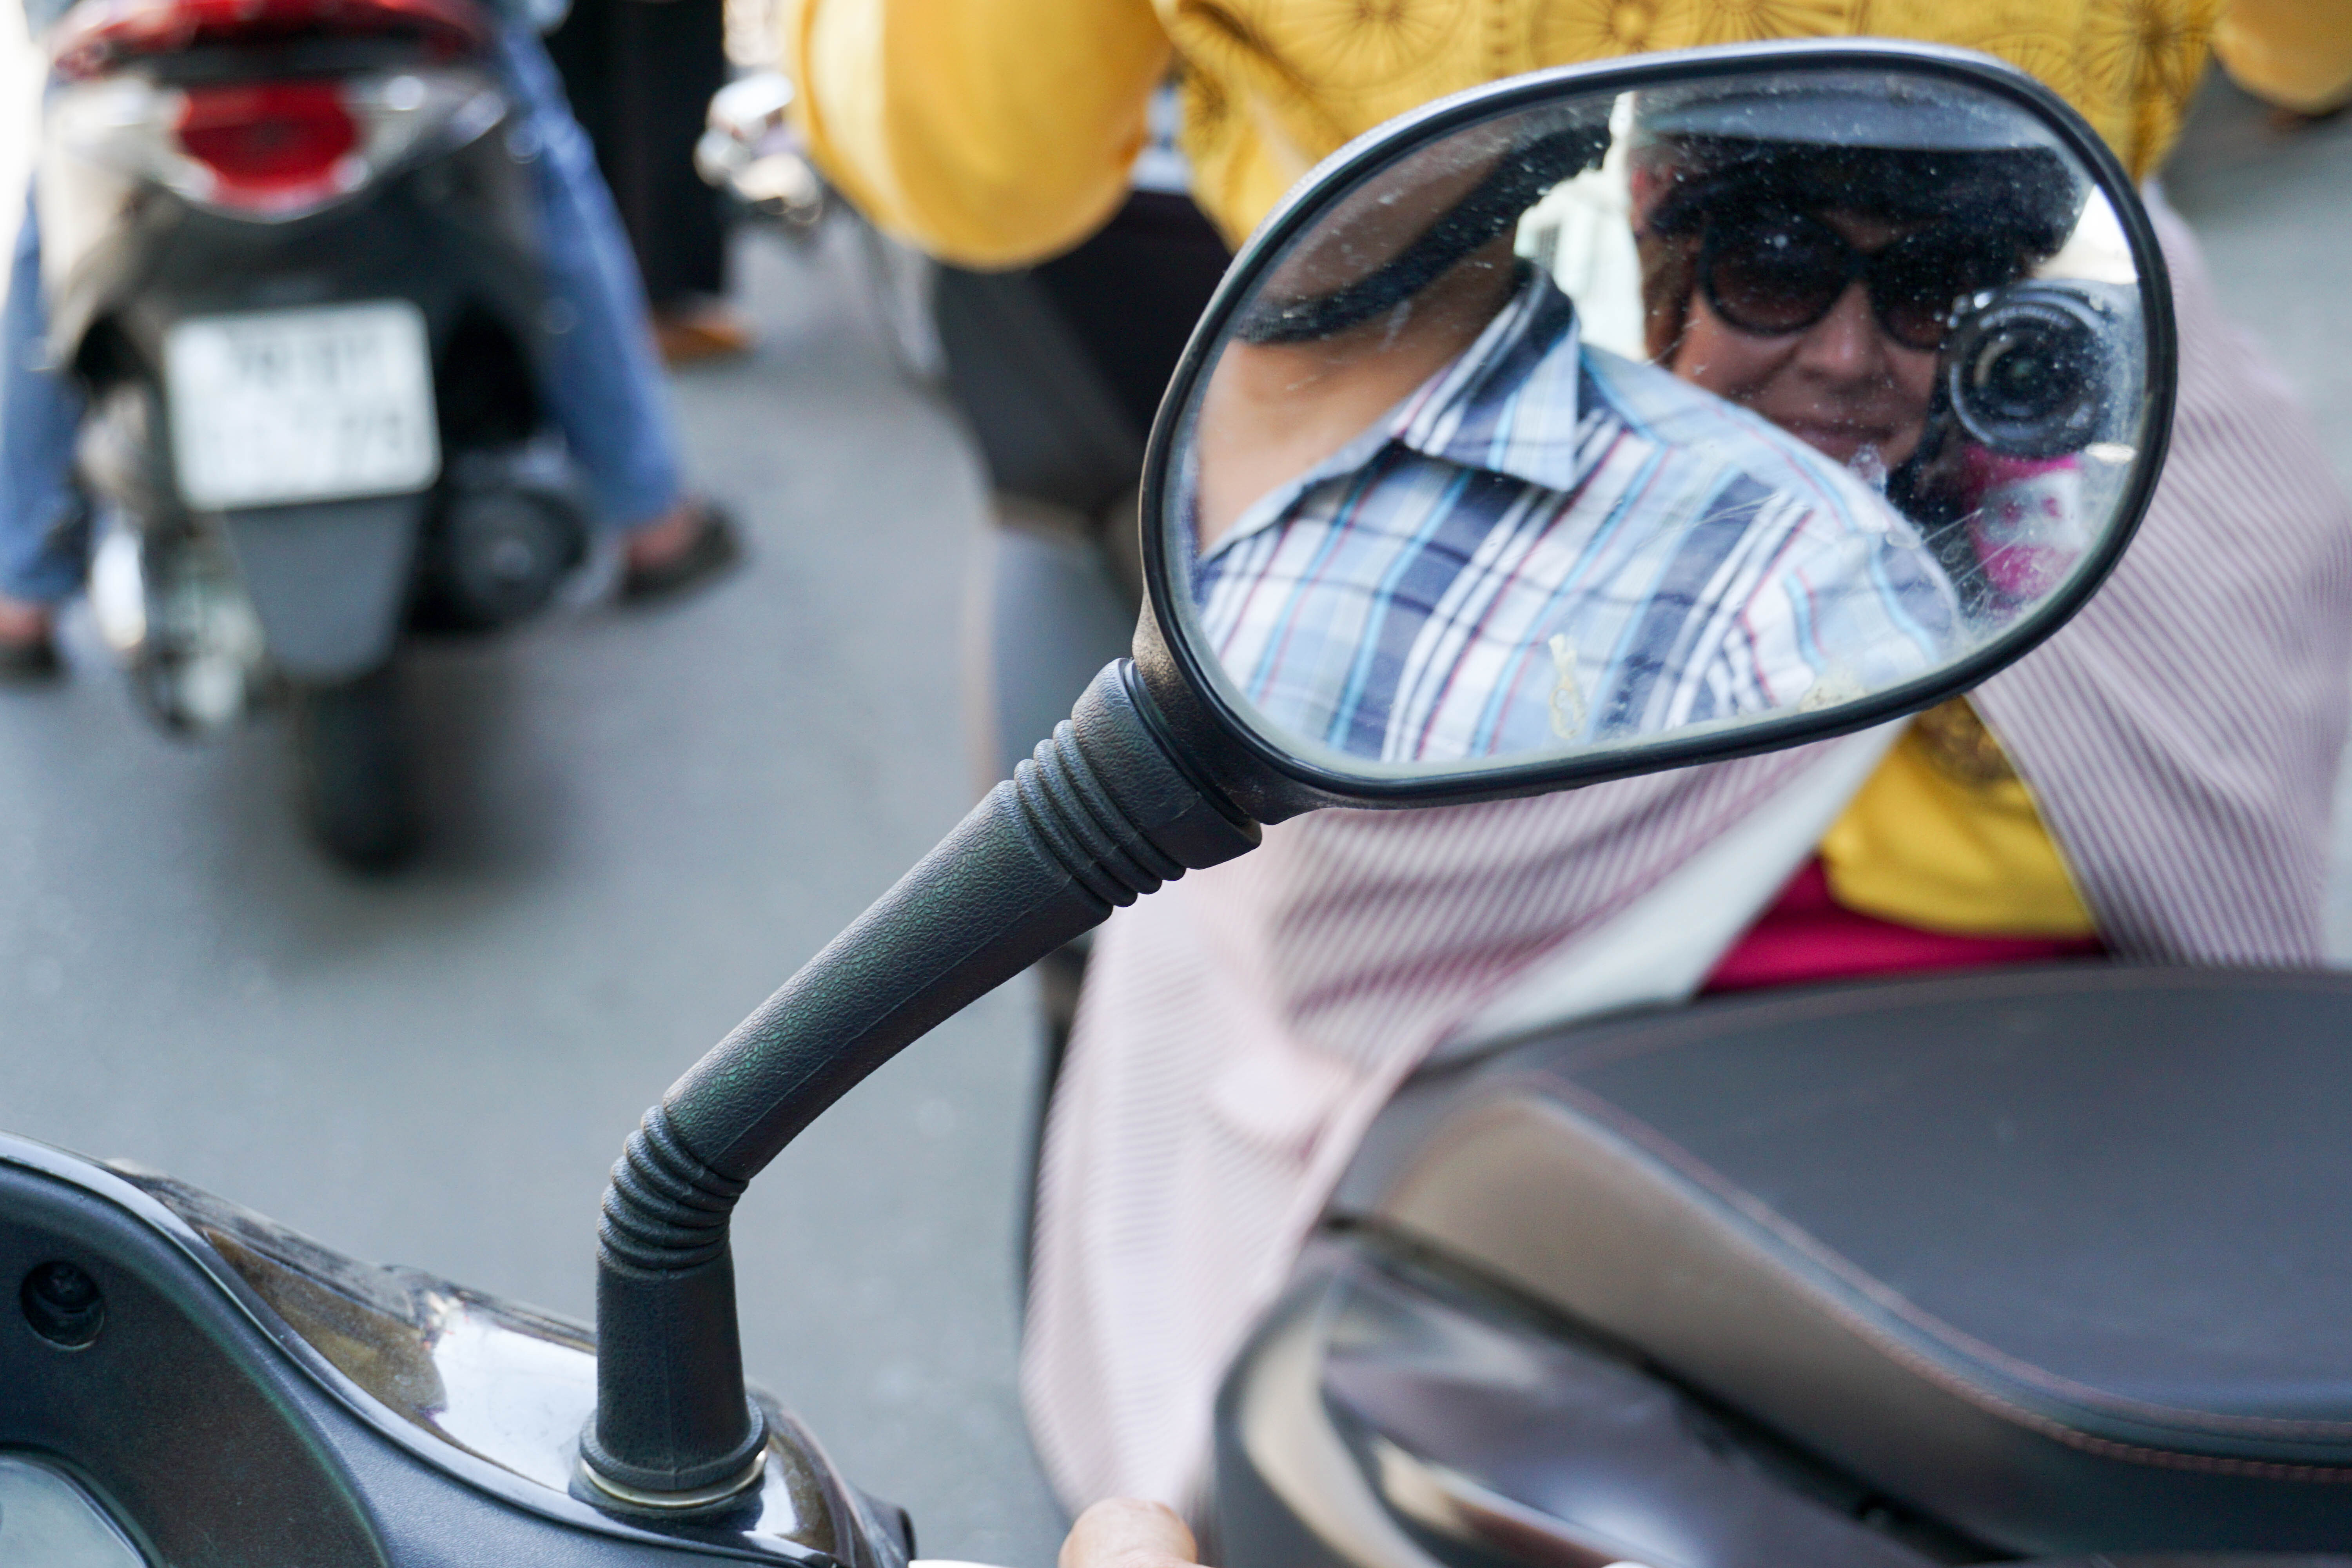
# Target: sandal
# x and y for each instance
(715, 551)
(28, 662)
(31, 654)
(689, 334)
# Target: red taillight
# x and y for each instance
(99, 34)
(269, 150)
(268, 143)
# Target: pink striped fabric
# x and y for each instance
(1240, 1028)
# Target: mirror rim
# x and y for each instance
(1301, 783)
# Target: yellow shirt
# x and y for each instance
(1944, 837)
(995, 132)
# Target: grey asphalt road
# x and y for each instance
(2273, 205)
(643, 823)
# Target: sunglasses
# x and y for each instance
(1769, 273)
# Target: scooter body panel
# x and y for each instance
(450, 229)
(1393, 1412)
(329, 580)
(212, 1431)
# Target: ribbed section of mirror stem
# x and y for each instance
(664, 1209)
(1101, 815)
(674, 1430)
(1065, 806)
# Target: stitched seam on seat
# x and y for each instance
(1582, 1102)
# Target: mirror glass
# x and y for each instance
(1625, 416)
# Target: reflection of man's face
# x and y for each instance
(1841, 385)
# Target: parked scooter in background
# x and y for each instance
(748, 151)
(383, 1416)
(290, 255)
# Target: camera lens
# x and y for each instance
(2028, 377)
(2027, 370)
(63, 1304)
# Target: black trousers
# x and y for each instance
(1058, 370)
(640, 74)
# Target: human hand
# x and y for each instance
(1122, 1532)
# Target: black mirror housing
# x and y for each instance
(2122, 423)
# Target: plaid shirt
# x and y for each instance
(1547, 546)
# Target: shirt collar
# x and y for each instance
(1510, 402)
(1507, 403)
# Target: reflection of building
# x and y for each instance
(2096, 252)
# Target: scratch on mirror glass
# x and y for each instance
(1568, 706)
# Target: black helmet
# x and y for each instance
(1891, 146)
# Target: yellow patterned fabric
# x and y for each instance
(994, 133)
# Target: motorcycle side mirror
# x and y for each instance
(1588, 424)
(1593, 423)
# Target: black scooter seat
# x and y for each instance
(2057, 1256)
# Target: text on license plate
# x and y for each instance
(319, 403)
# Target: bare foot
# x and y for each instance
(651, 549)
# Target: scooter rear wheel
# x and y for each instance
(354, 772)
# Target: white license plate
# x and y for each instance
(295, 405)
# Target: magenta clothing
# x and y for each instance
(2026, 519)
(1807, 935)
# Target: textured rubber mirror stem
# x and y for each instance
(1102, 814)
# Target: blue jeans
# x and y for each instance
(604, 384)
